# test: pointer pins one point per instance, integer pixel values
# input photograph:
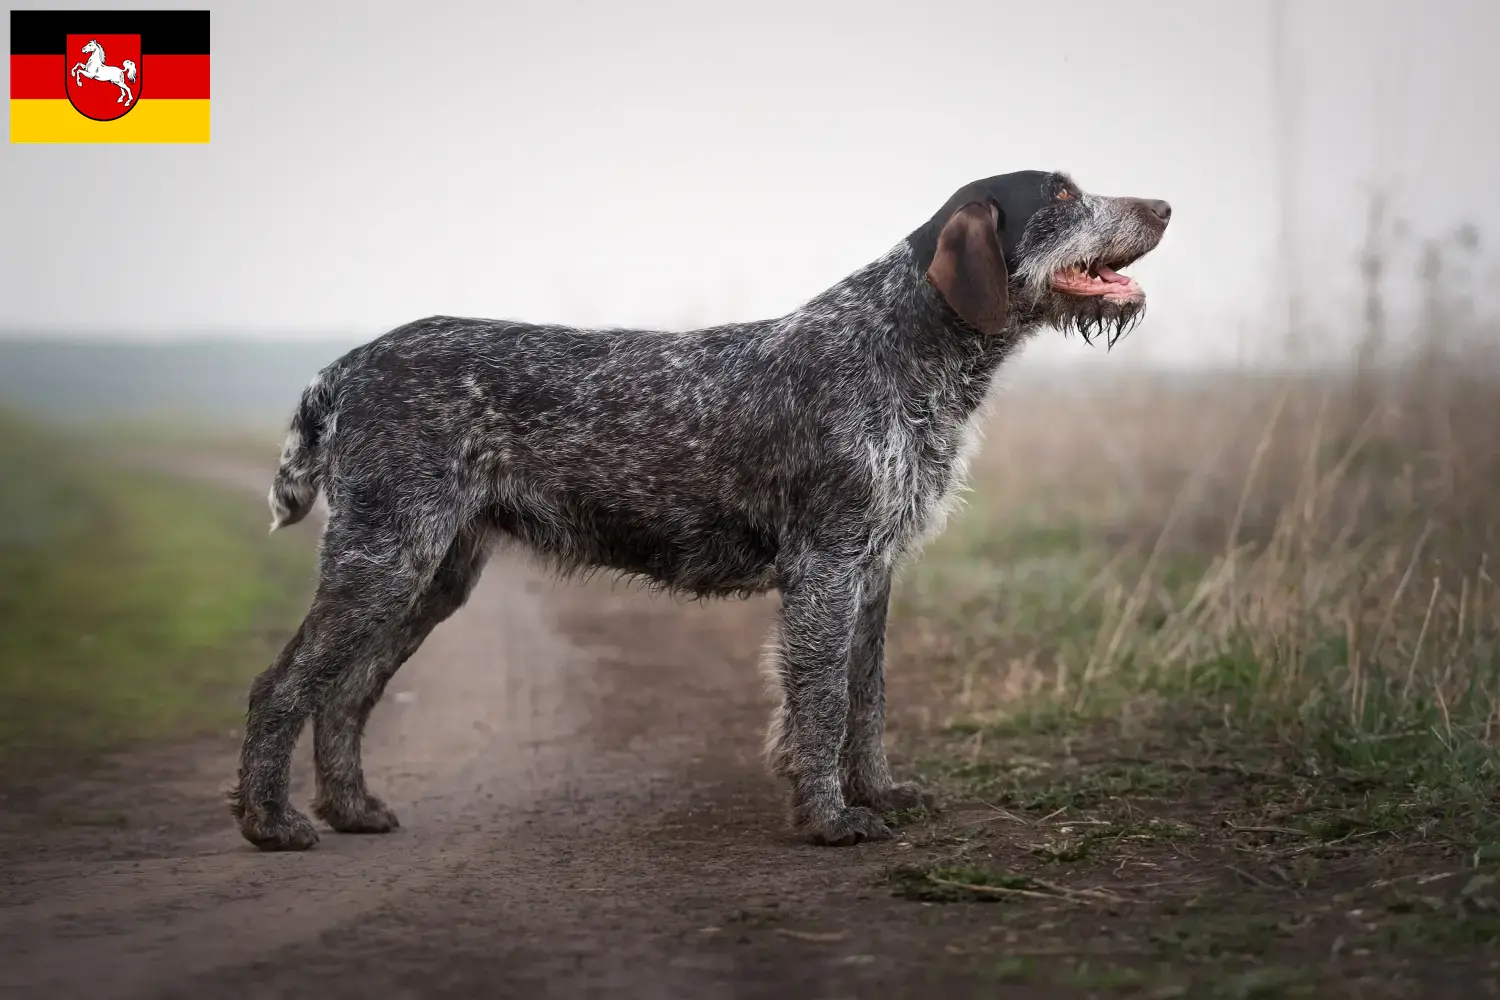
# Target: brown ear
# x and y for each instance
(969, 267)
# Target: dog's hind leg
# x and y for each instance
(866, 773)
(343, 801)
(375, 566)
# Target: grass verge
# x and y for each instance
(1215, 690)
(133, 605)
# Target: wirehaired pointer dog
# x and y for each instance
(806, 454)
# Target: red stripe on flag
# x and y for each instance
(37, 77)
(162, 77)
(181, 78)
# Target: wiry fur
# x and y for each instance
(1087, 230)
(295, 486)
(807, 454)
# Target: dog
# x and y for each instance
(808, 454)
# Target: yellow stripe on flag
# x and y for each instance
(149, 121)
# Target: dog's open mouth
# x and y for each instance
(1099, 280)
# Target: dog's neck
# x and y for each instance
(928, 350)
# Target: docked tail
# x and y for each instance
(297, 479)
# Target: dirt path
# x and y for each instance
(584, 813)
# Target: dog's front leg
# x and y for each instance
(867, 775)
(820, 608)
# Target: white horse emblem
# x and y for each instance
(95, 69)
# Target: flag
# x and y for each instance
(109, 76)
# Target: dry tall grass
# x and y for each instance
(1310, 551)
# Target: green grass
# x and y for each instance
(1038, 642)
(133, 605)
(1221, 713)
(969, 883)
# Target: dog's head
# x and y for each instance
(1033, 247)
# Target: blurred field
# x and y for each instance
(1308, 552)
(134, 605)
(1247, 625)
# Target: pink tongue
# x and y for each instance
(1108, 275)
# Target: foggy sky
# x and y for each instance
(683, 163)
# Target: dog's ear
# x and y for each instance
(969, 267)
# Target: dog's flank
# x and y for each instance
(807, 454)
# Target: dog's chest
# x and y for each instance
(917, 471)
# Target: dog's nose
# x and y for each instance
(1161, 210)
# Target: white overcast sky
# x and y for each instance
(658, 162)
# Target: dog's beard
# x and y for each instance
(1053, 258)
(1093, 319)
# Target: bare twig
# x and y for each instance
(1048, 890)
(1283, 830)
(1250, 877)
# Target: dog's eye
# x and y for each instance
(1064, 195)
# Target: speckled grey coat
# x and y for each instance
(807, 454)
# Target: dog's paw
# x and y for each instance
(848, 827)
(906, 798)
(283, 829)
(369, 815)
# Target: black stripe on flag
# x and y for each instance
(163, 32)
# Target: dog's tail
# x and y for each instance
(301, 471)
